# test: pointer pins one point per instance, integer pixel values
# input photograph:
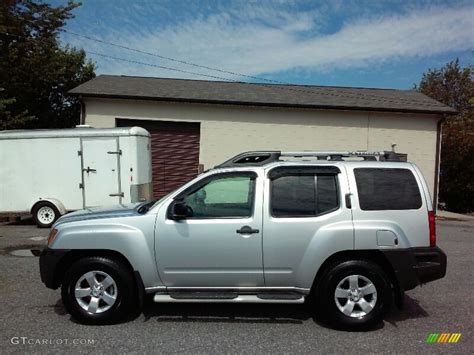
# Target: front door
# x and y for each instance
(219, 244)
(100, 171)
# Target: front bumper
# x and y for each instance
(416, 266)
(48, 262)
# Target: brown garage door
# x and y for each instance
(174, 152)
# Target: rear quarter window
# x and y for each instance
(387, 189)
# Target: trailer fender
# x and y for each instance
(58, 204)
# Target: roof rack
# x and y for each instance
(258, 158)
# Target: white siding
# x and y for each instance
(228, 130)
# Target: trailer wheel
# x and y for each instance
(45, 214)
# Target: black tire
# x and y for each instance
(124, 288)
(327, 304)
(45, 214)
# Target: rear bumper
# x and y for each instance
(431, 264)
(48, 263)
(416, 266)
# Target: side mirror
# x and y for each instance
(179, 210)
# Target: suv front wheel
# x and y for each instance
(98, 290)
(354, 294)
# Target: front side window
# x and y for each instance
(221, 197)
(303, 195)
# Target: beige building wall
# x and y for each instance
(228, 130)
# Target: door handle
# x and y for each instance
(348, 201)
(247, 230)
(89, 170)
(120, 194)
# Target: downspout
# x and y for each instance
(83, 111)
(439, 132)
(368, 130)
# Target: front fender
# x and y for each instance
(134, 243)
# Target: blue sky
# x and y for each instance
(368, 43)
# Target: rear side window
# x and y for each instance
(387, 189)
(327, 193)
(293, 196)
(303, 195)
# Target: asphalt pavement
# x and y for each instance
(33, 319)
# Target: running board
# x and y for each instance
(227, 298)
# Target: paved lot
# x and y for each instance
(31, 315)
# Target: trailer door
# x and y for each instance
(101, 171)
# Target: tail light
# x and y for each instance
(432, 225)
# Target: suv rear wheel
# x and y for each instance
(354, 294)
(98, 290)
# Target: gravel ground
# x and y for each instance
(33, 318)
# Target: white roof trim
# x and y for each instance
(74, 132)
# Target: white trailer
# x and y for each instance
(47, 173)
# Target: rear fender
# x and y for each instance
(376, 234)
(328, 240)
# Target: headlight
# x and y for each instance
(52, 236)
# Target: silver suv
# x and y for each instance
(348, 232)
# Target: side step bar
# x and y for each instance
(228, 298)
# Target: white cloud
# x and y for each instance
(261, 40)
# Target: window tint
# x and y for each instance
(293, 196)
(387, 189)
(223, 197)
(327, 193)
(303, 195)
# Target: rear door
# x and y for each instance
(101, 171)
(306, 220)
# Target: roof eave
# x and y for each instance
(449, 111)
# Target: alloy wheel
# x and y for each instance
(96, 292)
(355, 296)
